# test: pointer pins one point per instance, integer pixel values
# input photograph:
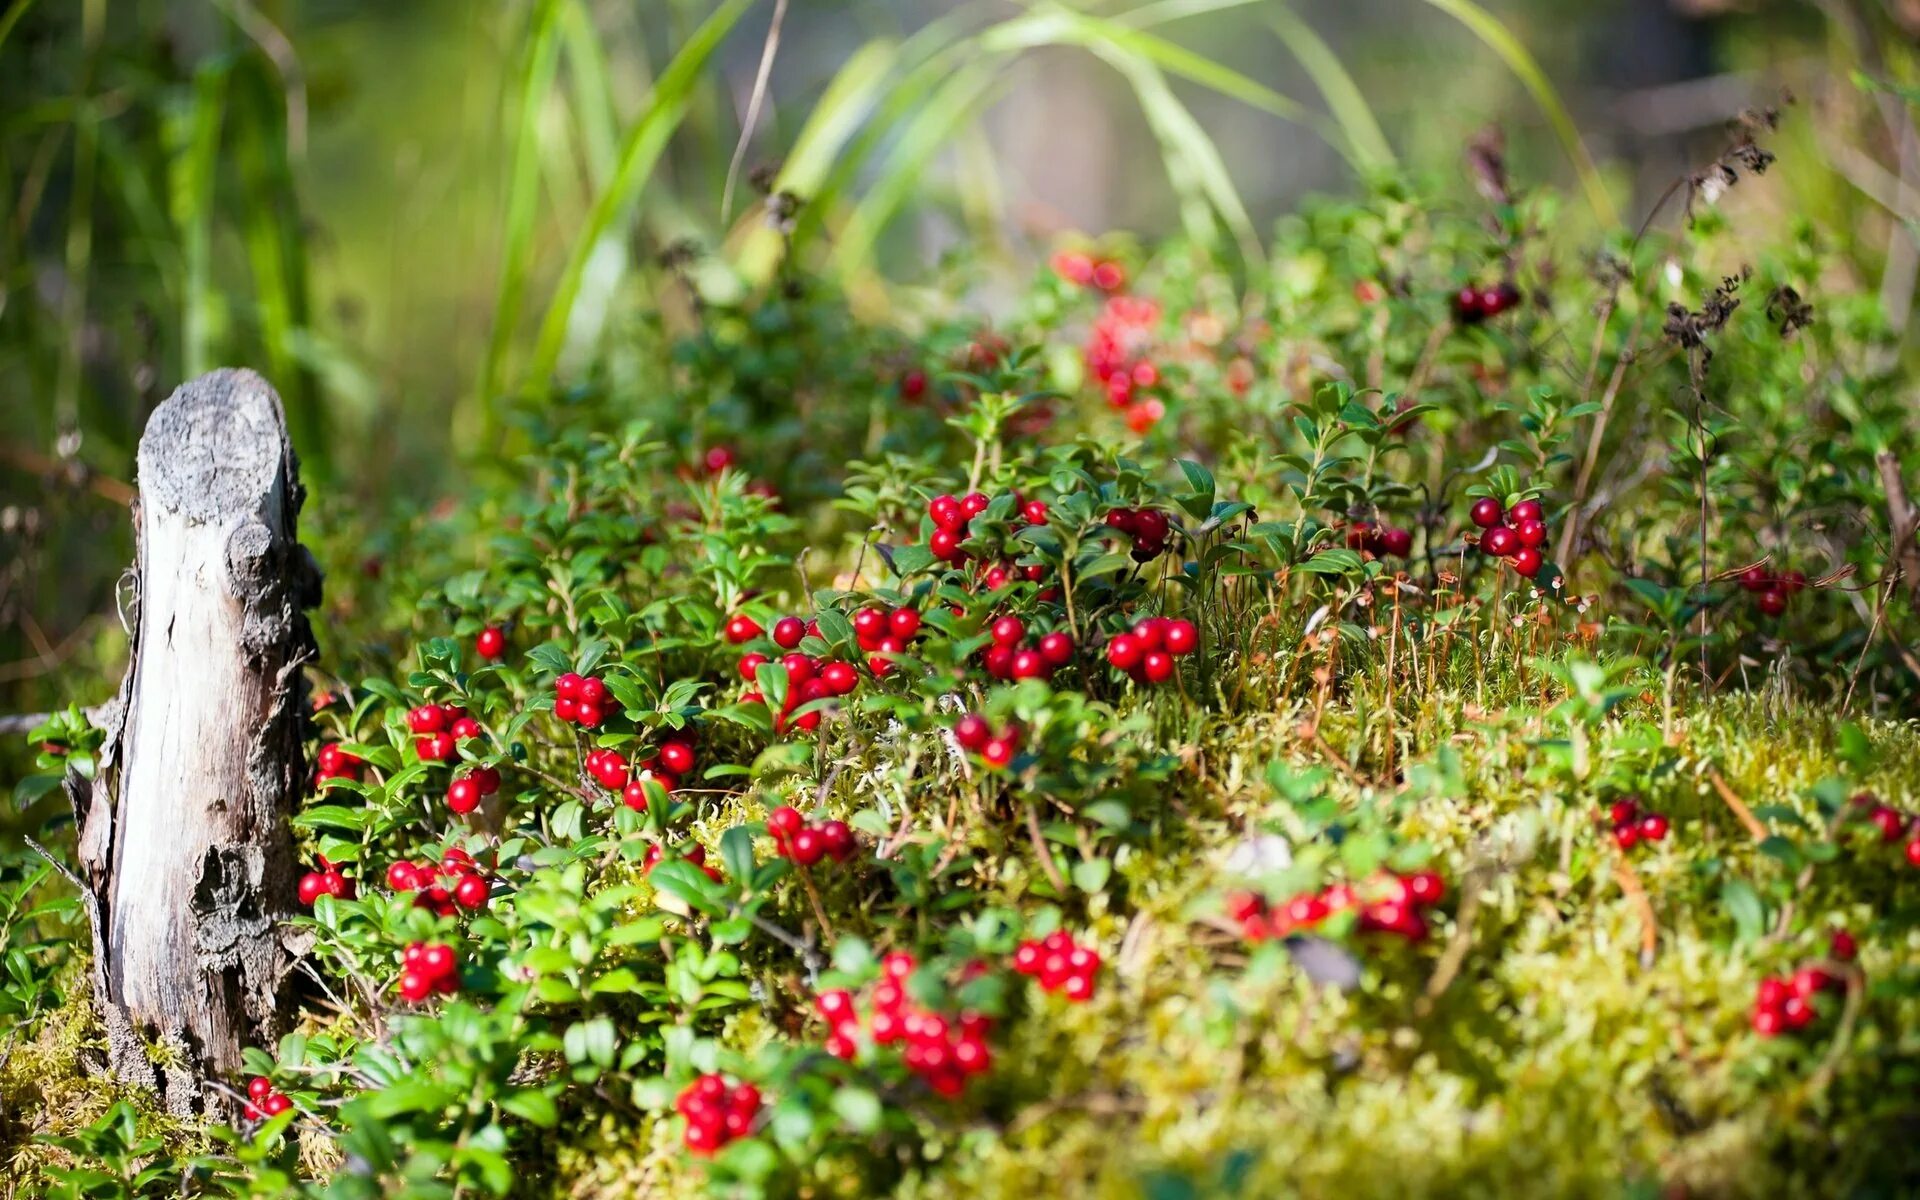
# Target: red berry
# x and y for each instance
(1792, 582)
(1773, 601)
(998, 752)
(415, 986)
(1007, 631)
(1151, 633)
(898, 964)
(1843, 946)
(1620, 812)
(974, 503)
(1397, 542)
(427, 718)
(1180, 637)
(1526, 510)
(999, 661)
(1027, 664)
(944, 544)
(1771, 993)
(1769, 1022)
(1056, 649)
(799, 669)
(275, 1103)
(1499, 542)
(1627, 837)
(259, 1087)
(1125, 651)
(785, 821)
(838, 840)
(1527, 561)
(946, 513)
(1798, 1012)
(463, 794)
(1486, 512)
(1034, 512)
(1653, 827)
(1157, 666)
(1426, 888)
(1810, 981)
(788, 631)
(903, 623)
(742, 628)
(312, 887)
(634, 795)
(870, 624)
(1913, 852)
(401, 877)
(471, 892)
(972, 731)
(491, 643)
(676, 757)
(839, 677)
(1890, 821)
(1530, 533)
(1469, 306)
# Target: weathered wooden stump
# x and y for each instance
(184, 843)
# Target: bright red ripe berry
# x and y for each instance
(401, 877)
(870, 624)
(589, 714)
(903, 622)
(1798, 1012)
(838, 840)
(1913, 853)
(463, 795)
(1626, 837)
(1426, 888)
(275, 1103)
(1622, 811)
(944, 544)
(1056, 649)
(972, 731)
(1809, 981)
(1151, 633)
(1157, 666)
(1527, 561)
(1526, 510)
(491, 642)
(999, 662)
(676, 757)
(1891, 822)
(1653, 827)
(788, 631)
(839, 677)
(898, 964)
(427, 718)
(259, 1087)
(974, 503)
(741, 628)
(1486, 512)
(471, 892)
(1772, 993)
(1773, 601)
(799, 669)
(1027, 664)
(1034, 512)
(312, 887)
(1756, 579)
(1843, 946)
(1792, 582)
(1769, 1022)
(785, 821)
(806, 846)
(1125, 651)
(1397, 542)
(946, 513)
(1530, 532)
(1499, 542)
(1180, 637)
(997, 752)
(415, 986)
(436, 960)
(1007, 631)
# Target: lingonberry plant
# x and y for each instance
(1289, 719)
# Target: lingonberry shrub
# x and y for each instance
(1189, 642)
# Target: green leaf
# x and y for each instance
(858, 1107)
(1744, 906)
(534, 1107)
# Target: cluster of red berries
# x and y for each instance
(1514, 534)
(807, 842)
(1632, 824)
(491, 643)
(1786, 1004)
(1892, 824)
(1010, 657)
(1771, 592)
(1118, 353)
(264, 1100)
(697, 855)
(1148, 527)
(878, 631)
(428, 968)
(665, 767)
(455, 884)
(808, 679)
(1378, 539)
(974, 733)
(1146, 652)
(1059, 964)
(950, 515)
(438, 729)
(1472, 305)
(942, 1051)
(1392, 904)
(327, 881)
(467, 789)
(1084, 270)
(580, 700)
(716, 1114)
(333, 762)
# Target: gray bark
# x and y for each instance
(184, 845)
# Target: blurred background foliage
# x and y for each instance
(409, 215)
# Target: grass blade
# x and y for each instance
(523, 190)
(194, 151)
(643, 145)
(1501, 41)
(1344, 99)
